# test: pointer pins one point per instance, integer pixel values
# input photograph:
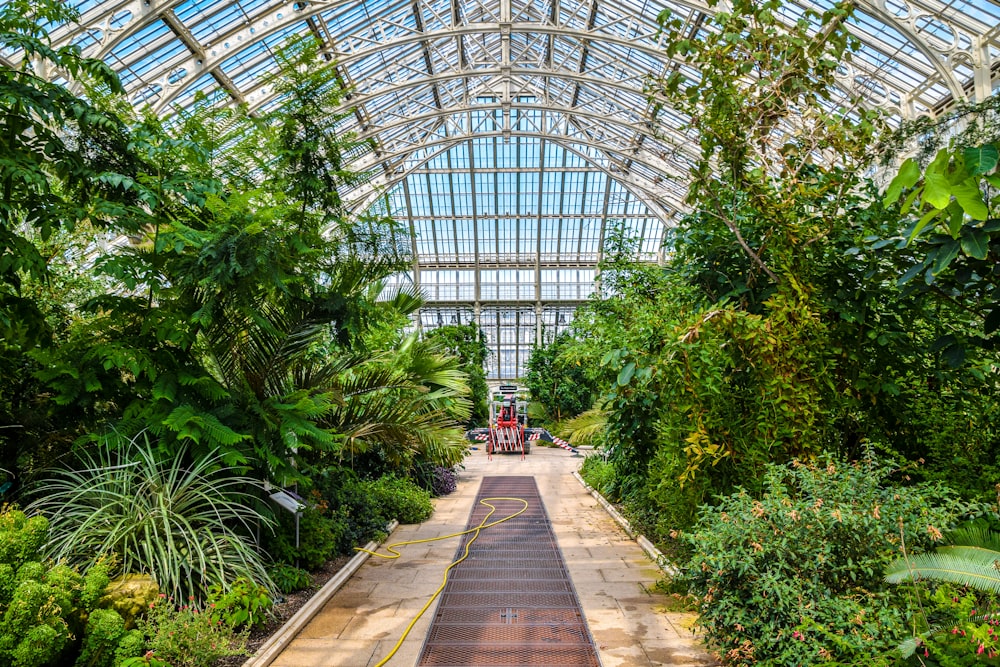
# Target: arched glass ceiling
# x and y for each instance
(507, 133)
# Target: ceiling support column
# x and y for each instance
(983, 70)
(538, 325)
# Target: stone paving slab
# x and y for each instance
(613, 577)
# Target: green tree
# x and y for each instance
(65, 164)
(562, 386)
(467, 342)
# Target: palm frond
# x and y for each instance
(404, 299)
(980, 571)
(974, 535)
(585, 427)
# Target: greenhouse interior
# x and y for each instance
(279, 280)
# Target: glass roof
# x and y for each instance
(509, 134)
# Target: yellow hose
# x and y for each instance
(395, 554)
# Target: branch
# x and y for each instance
(743, 244)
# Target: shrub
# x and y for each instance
(188, 525)
(344, 491)
(187, 637)
(398, 498)
(105, 629)
(343, 512)
(21, 537)
(290, 579)
(439, 481)
(321, 533)
(795, 577)
(43, 607)
(241, 604)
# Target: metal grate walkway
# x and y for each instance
(511, 602)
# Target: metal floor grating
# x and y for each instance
(511, 602)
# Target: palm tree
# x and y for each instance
(404, 407)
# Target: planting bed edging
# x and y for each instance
(654, 554)
(280, 640)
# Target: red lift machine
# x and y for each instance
(508, 432)
(508, 420)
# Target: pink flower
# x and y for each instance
(980, 649)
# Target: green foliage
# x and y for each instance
(962, 632)
(969, 560)
(61, 156)
(760, 75)
(323, 533)
(60, 164)
(186, 636)
(239, 604)
(587, 428)
(188, 523)
(955, 625)
(44, 607)
(599, 474)
(21, 537)
(398, 498)
(402, 411)
(794, 576)
(562, 386)
(343, 512)
(467, 342)
(289, 579)
(105, 630)
(778, 327)
(948, 206)
(143, 661)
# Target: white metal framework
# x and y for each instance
(508, 134)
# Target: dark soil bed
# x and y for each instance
(283, 611)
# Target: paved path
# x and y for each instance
(612, 576)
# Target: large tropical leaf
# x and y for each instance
(980, 572)
(585, 427)
(971, 559)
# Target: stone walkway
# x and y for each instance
(612, 576)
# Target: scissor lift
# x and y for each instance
(508, 432)
(508, 420)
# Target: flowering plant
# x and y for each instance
(186, 636)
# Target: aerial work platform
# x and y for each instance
(508, 432)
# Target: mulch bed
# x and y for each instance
(282, 611)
